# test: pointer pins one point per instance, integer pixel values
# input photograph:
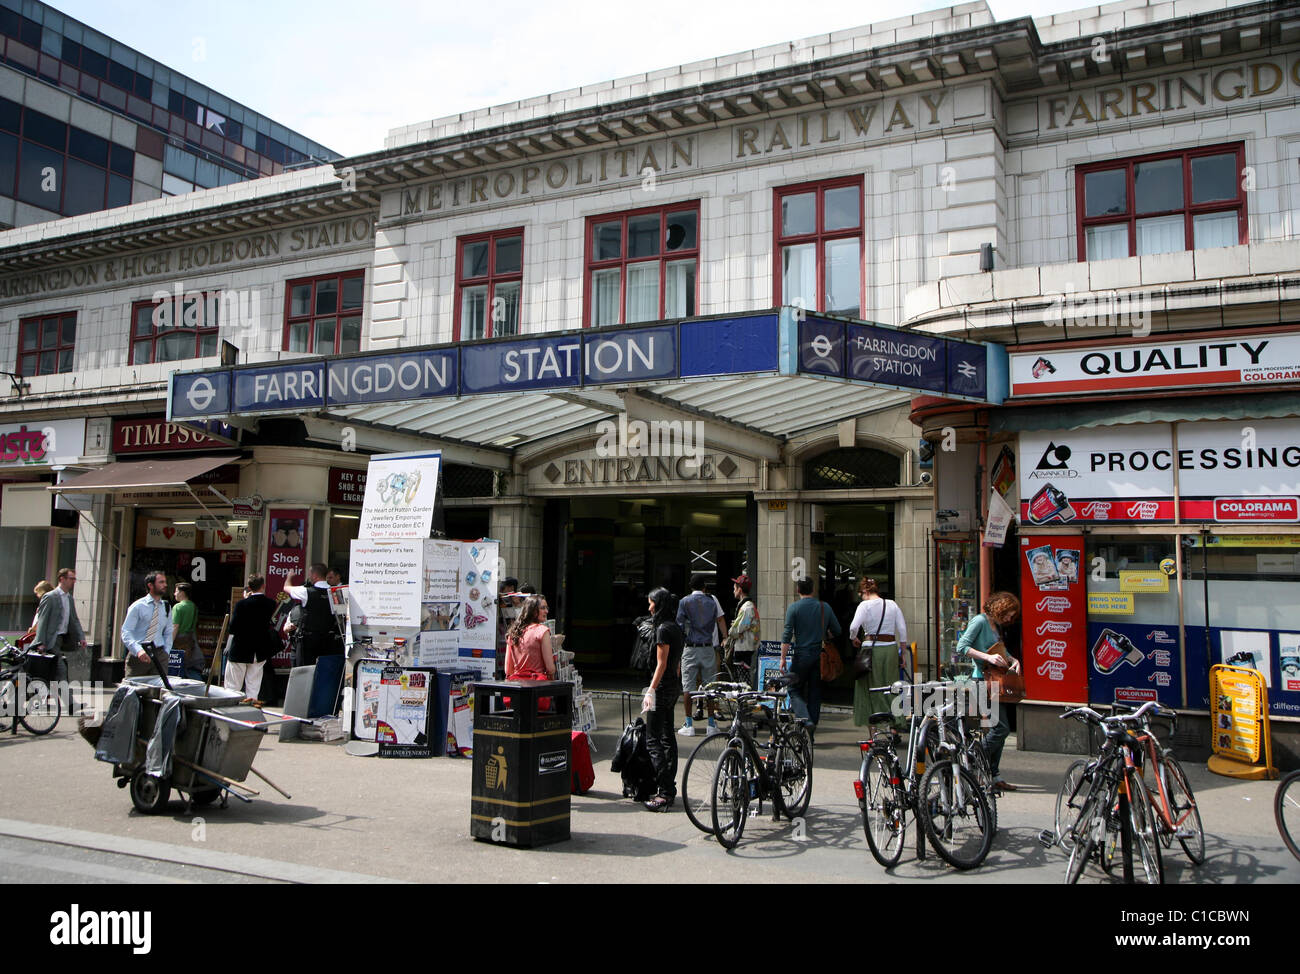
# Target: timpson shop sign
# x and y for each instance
(248, 248)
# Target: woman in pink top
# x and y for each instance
(528, 643)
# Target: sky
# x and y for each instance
(344, 73)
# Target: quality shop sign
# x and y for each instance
(1227, 472)
(1247, 360)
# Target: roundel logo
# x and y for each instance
(200, 394)
(821, 345)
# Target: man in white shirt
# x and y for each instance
(147, 624)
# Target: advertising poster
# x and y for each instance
(384, 584)
(1053, 619)
(365, 715)
(165, 534)
(439, 633)
(1120, 473)
(404, 697)
(1134, 663)
(441, 571)
(401, 492)
(1235, 712)
(1288, 663)
(478, 591)
(286, 546)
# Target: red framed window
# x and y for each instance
(819, 246)
(160, 332)
(1161, 203)
(322, 315)
(489, 282)
(45, 344)
(642, 265)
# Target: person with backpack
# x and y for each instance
(742, 636)
(318, 634)
(665, 688)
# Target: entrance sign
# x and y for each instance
(767, 342)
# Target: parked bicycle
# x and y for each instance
(941, 795)
(1286, 809)
(744, 772)
(25, 699)
(1109, 796)
(965, 744)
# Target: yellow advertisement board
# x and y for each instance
(1110, 603)
(1239, 729)
(1143, 581)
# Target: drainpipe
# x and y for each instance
(982, 491)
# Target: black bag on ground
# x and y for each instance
(632, 760)
(643, 646)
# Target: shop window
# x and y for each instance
(819, 246)
(1162, 203)
(489, 279)
(161, 333)
(642, 265)
(45, 344)
(851, 468)
(323, 314)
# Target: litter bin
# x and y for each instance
(520, 790)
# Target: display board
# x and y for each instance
(1053, 607)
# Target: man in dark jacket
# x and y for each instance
(318, 633)
(252, 640)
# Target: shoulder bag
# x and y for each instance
(862, 662)
(1010, 687)
(831, 663)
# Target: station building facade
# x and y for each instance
(870, 175)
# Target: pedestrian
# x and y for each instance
(41, 588)
(333, 578)
(806, 621)
(878, 633)
(700, 618)
(528, 643)
(185, 623)
(983, 643)
(665, 686)
(253, 641)
(147, 627)
(58, 630)
(317, 634)
(742, 635)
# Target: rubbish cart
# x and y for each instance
(522, 739)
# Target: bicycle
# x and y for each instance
(1116, 798)
(697, 773)
(967, 746)
(1286, 810)
(944, 797)
(742, 773)
(25, 699)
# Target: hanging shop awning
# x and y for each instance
(776, 372)
(138, 474)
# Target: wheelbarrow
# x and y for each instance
(217, 737)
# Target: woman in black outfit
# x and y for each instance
(666, 682)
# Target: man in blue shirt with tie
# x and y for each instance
(147, 622)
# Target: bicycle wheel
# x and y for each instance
(1069, 800)
(1286, 809)
(1183, 810)
(1146, 843)
(697, 780)
(42, 707)
(730, 797)
(955, 815)
(1089, 828)
(884, 810)
(977, 763)
(793, 771)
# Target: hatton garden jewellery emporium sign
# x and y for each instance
(783, 343)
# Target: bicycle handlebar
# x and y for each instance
(1138, 716)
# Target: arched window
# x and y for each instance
(852, 467)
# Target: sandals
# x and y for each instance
(659, 804)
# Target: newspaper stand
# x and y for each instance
(522, 743)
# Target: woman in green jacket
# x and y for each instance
(981, 635)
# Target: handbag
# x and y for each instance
(831, 663)
(1010, 687)
(862, 662)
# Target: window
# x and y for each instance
(159, 333)
(1162, 203)
(45, 344)
(819, 246)
(323, 314)
(641, 265)
(489, 279)
(60, 167)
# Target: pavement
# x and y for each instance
(356, 819)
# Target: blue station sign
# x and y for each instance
(759, 343)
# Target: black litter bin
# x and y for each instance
(522, 739)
